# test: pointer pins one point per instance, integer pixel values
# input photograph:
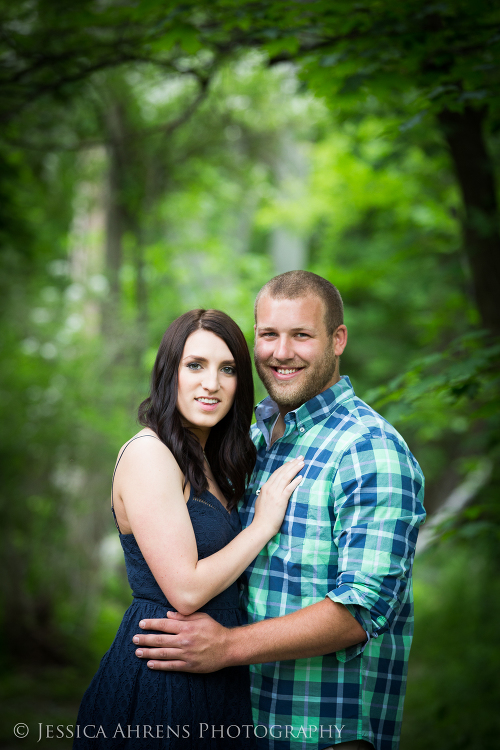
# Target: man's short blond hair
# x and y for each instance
(295, 284)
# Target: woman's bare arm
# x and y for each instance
(149, 483)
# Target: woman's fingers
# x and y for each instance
(295, 482)
(290, 487)
(291, 471)
(285, 473)
(273, 498)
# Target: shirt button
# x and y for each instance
(301, 429)
(258, 492)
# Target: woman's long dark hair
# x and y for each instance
(229, 449)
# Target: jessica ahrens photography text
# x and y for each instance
(202, 730)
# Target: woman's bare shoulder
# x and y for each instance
(137, 453)
(146, 432)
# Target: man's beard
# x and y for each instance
(313, 381)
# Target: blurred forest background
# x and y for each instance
(161, 156)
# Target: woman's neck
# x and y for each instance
(200, 433)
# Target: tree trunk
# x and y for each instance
(288, 247)
(463, 132)
(115, 212)
(141, 288)
(141, 297)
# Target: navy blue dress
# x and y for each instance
(128, 705)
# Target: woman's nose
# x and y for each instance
(211, 381)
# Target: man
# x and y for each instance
(329, 599)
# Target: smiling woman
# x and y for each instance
(174, 498)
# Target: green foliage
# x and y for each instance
(453, 689)
(54, 697)
(461, 380)
(80, 350)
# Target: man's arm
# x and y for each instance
(199, 644)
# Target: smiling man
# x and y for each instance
(329, 599)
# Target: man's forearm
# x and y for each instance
(319, 629)
(198, 643)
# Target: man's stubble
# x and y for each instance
(315, 380)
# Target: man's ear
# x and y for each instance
(340, 340)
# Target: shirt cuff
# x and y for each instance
(352, 602)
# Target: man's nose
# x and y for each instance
(284, 349)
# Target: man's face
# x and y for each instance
(295, 357)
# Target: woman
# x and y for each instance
(173, 497)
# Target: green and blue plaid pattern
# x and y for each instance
(349, 534)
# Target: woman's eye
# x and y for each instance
(194, 366)
(229, 370)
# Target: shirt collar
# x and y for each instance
(313, 411)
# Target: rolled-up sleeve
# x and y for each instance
(378, 507)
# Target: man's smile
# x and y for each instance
(285, 373)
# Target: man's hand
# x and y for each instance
(196, 643)
(199, 644)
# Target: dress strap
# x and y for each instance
(116, 466)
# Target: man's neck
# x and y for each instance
(279, 427)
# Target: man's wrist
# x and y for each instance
(233, 652)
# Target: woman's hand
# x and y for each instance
(150, 484)
(271, 504)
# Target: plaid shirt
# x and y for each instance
(349, 534)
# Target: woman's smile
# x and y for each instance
(208, 404)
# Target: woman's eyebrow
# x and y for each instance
(204, 359)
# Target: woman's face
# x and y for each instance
(207, 382)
